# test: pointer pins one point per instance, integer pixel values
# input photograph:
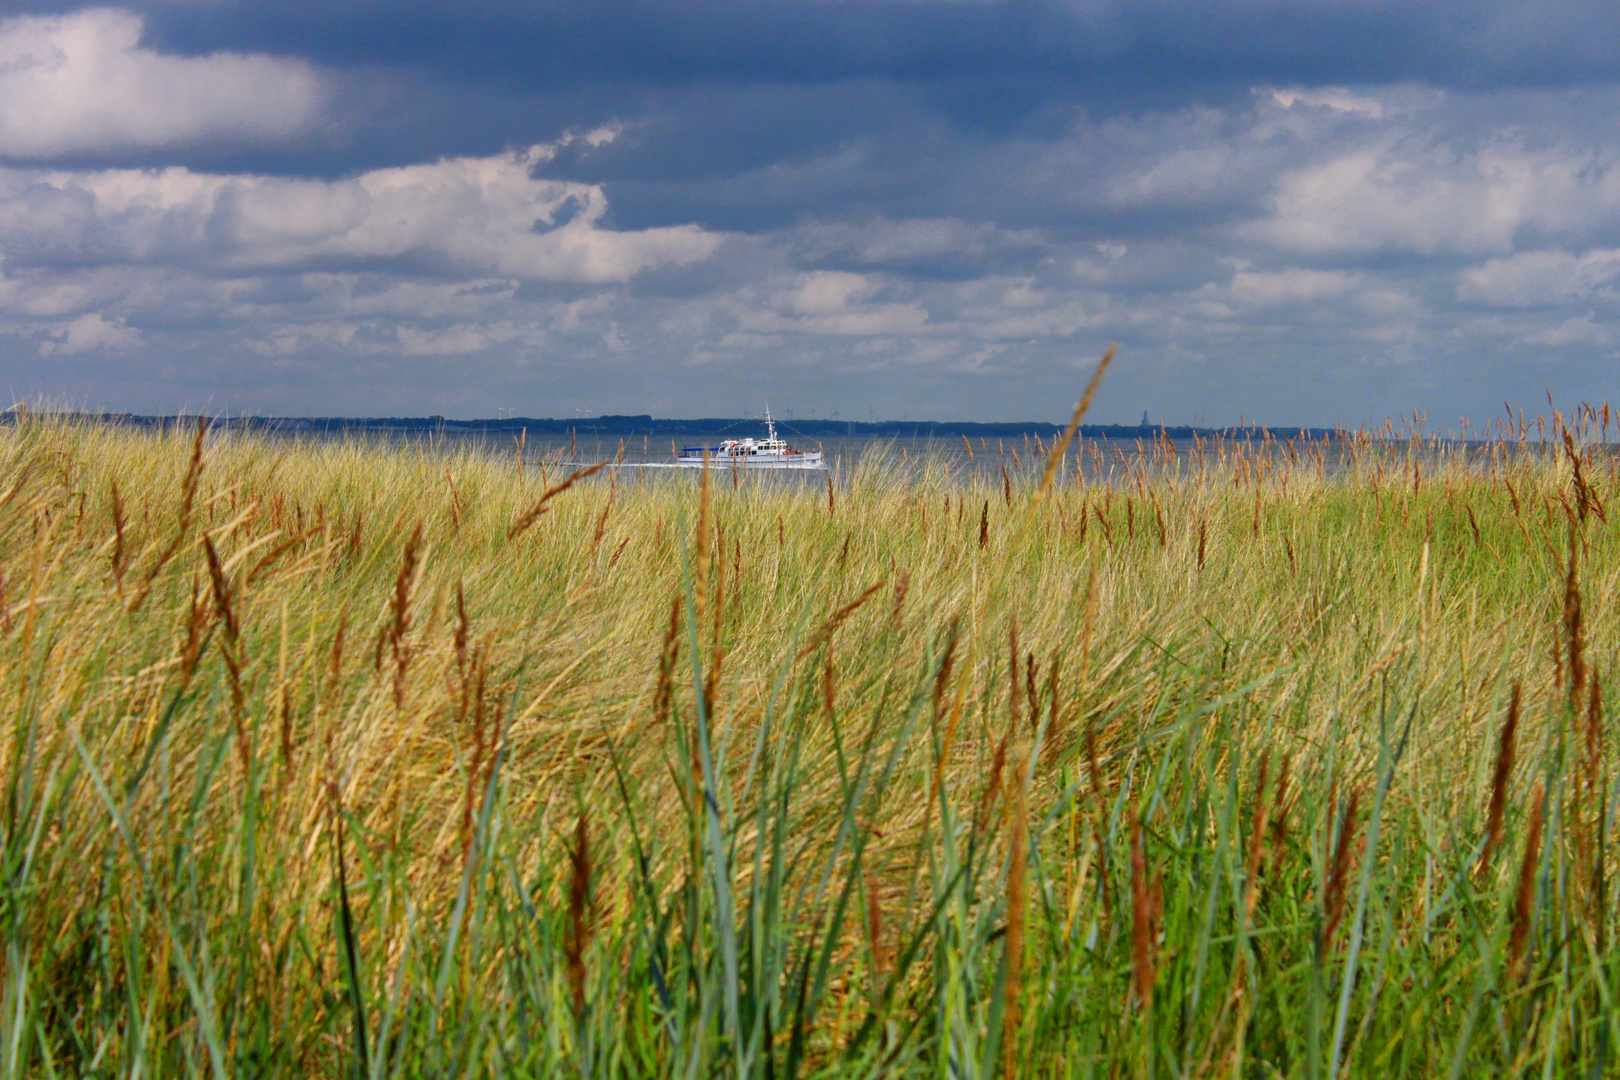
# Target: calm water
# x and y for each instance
(942, 457)
(1101, 460)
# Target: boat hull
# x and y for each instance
(809, 459)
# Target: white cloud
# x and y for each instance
(829, 302)
(83, 82)
(825, 293)
(1180, 177)
(1580, 330)
(1535, 278)
(47, 295)
(288, 340)
(1389, 303)
(87, 332)
(885, 242)
(460, 215)
(455, 340)
(1424, 195)
(1336, 98)
(1264, 289)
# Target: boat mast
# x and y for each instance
(770, 425)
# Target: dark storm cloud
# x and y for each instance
(642, 41)
(474, 76)
(983, 60)
(753, 114)
(875, 149)
(723, 89)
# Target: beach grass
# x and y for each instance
(1249, 758)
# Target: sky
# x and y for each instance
(1285, 211)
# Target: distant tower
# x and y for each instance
(1144, 418)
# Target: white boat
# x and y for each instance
(770, 452)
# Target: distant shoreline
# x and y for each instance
(629, 425)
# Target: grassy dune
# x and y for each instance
(335, 760)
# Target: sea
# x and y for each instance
(941, 459)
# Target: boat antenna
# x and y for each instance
(770, 425)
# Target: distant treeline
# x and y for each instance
(624, 426)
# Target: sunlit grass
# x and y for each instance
(348, 760)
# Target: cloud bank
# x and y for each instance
(463, 216)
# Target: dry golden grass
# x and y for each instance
(335, 756)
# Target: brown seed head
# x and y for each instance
(1505, 754)
(1257, 839)
(1525, 895)
(1574, 625)
(580, 917)
(1144, 915)
(1017, 888)
(1337, 890)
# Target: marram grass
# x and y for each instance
(1260, 759)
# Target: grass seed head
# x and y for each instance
(1336, 892)
(1257, 839)
(1145, 903)
(535, 512)
(581, 923)
(1525, 894)
(1017, 914)
(1506, 752)
(1574, 625)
